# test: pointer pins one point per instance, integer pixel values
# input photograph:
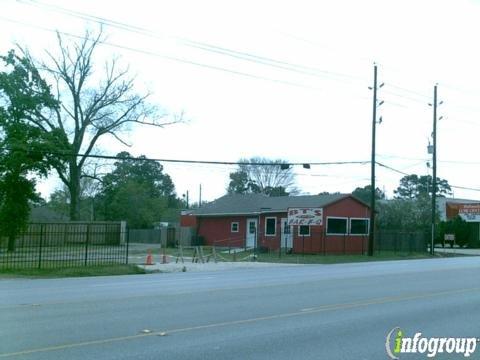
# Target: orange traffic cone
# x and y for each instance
(149, 259)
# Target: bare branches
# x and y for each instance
(61, 174)
(268, 176)
(119, 139)
(90, 109)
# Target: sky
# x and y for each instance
(293, 84)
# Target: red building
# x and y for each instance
(256, 220)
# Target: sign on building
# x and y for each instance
(305, 216)
(469, 212)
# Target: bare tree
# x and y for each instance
(91, 108)
(262, 175)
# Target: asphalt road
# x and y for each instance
(300, 312)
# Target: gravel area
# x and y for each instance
(209, 266)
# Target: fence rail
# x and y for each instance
(338, 244)
(167, 236)
(146, 236)
(55, 245)
(401, 241)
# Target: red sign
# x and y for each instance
(469, 212)
(305, 216)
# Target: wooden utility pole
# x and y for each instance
(434, 164)
(371, 237)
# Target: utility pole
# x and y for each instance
(371, 237)
(187, 200)
(200, 197)
(434, 165)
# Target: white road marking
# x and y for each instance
(307, 309)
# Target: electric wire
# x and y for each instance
(306, 70)
(263, 60)
(169, 57)
(406, 174)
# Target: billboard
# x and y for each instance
(469, 212)
(305, 216)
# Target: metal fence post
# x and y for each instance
(40, 247)
(379, 240)
(395, 238)
(86, 244)
(255, 245)
(127, 239)
(280, 243)
(303, 245)
(324, 242)
(426, 240)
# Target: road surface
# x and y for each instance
(339, 311)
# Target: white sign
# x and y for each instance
(469, 212)
(305, 216)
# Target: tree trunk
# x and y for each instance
(74, 188)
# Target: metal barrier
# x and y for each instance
(56, 245)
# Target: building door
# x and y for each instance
(251, 233)
(286, 234)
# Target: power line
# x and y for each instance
(226, 169)
(406, 174)
(302, 69)
(409, 91)
(401, 157)
(242, 55)
(460, 89)
(168, 57)
(210, 162)
(217, 49)
(455, 162)
(404, 96)
(363, 59)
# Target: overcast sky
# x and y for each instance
(312, 104)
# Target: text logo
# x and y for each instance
(397, 343)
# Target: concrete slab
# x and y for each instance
(210, 266)
(459, 251)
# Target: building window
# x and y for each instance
(252, 227)
(359, 226)
(234, 227)
(304, 230)
(270, 226)
(337, 226)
